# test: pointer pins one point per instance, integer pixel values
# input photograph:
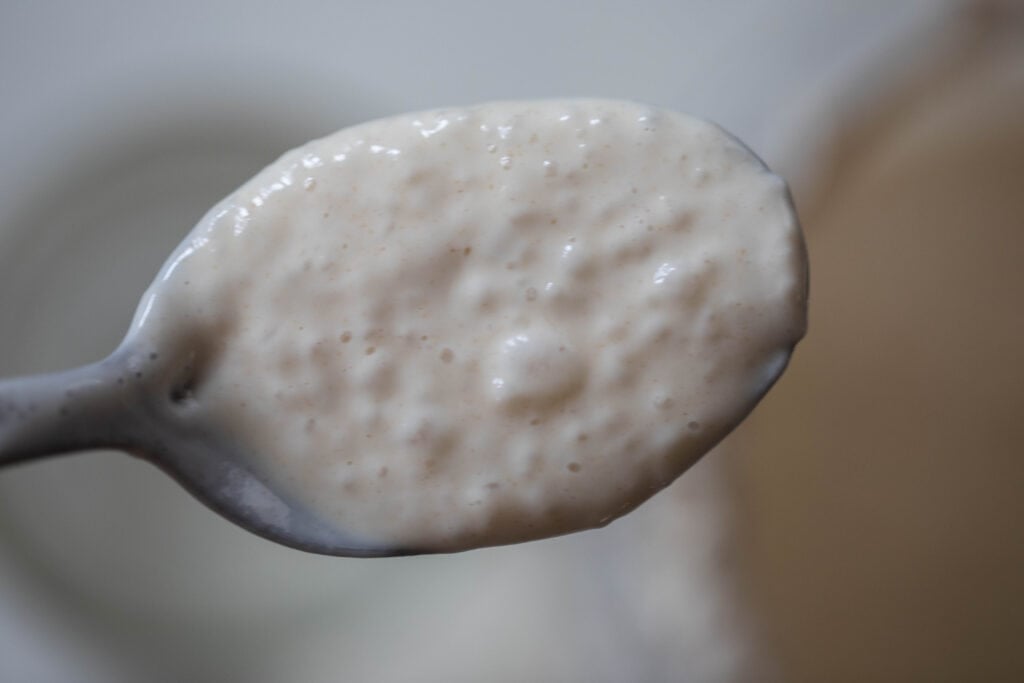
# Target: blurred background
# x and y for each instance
(867, 522)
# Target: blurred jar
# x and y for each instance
(878, 487)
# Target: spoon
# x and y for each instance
(450, 329)
(133, 401)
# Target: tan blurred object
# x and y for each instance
(879, 487)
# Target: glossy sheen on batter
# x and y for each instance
(486, 325)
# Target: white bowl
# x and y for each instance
(120, 128)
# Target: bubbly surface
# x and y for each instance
(486, 325)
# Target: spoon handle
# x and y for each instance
(63, 412)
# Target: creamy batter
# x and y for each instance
(486, 325)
